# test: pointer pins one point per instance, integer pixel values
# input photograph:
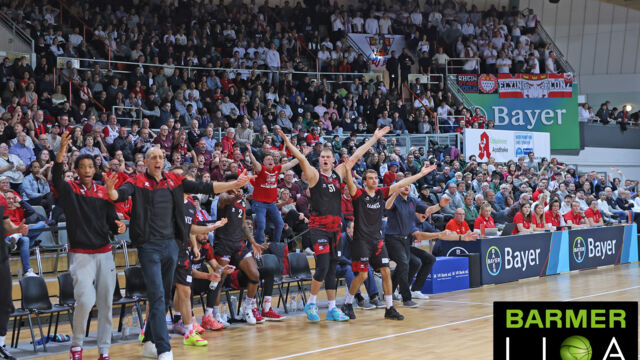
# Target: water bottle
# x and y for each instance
(294, 302)
(234, 305)
(134, 316)
(224, 315)
(299, 303)
(126, 327)
(214, 284)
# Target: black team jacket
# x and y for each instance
(141, 188)
(89, 212)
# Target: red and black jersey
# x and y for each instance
(189, 213)
(89, 212)
(232, 231)
(206, 255)
(326, 204)
(368, 212)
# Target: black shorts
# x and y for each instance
(232, 253)
(183, 274)
(367, 252)
(325, 242)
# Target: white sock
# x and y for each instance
(216, 310)
(388, 299)
(188, 327)
(254, 303)
(207, 312)
(266, 304)
(332, 304)
(348, 299)
(313, 298)
(2, 340)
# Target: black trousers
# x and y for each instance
(6, 305)
(399, 248)
(420, 265)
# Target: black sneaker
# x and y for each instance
(4, 354)
(360, 300)
(410, 304)
(376, 302)
(347, 309)
(392, 313)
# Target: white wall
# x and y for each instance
(598, 39)
(601, 159)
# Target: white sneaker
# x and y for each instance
(149, 350)
(30, 273)
(247, 314)
(418, 295)
(221, 320)
(166, 356)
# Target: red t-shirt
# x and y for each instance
(488, 223)
(550, 219)
(576, 219)
(265, 186)
(519, 219)
(388, 178)
(595, 216)
(537, 225)
(458, 228)
(347, 208)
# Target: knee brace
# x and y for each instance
(330, 280)
(322, 267)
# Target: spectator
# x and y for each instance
(11, 166)
(21, 150)
(35, 189)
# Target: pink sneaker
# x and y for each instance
(272, 315)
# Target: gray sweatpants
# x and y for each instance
(94, 280)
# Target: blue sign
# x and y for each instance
(455, 248)
(448, 274)
(602, 246)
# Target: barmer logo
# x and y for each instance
(579, 249)
(565, 330)
(494, 260)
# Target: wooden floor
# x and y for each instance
(449, 326)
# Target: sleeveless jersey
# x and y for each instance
(189, 213)
(232, 232)
(368, 212)
(326, 205)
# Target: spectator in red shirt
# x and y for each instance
(390, 176)
(485, 218)
(228, 141)
(537, 218)
(593, 215)
(164, 139)
(312, 137)
(552, 217)
(265, 194)
(457, 224)
(574, 217)
(347, 205)
(478, 118)
(523, 220)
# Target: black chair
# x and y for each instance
(135, 287)
(17, 316)
(299, 272)
(66, 297)
(119, 300)
(271, 265)
(35, 300)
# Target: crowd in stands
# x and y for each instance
(606, 115)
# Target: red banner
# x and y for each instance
(535, 86)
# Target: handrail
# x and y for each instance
(71, 81)
(417, 97)
(17, 30)
(544, 35)
(455, 90)
(476, 60)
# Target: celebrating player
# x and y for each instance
(325, 220)
(367, 246)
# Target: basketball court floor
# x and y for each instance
(457, 325)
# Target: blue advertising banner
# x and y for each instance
(603, 246)
(511, 258)
(455, 248)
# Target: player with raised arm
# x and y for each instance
(230, 247)
(325, 220)
(368, 246)
(265, 194)
(90, 216)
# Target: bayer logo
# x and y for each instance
(457, 250)
(494, 260)
(579, 249)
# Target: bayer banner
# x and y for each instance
(590, 248)
(511, 258)
(505, 145)
(455, 248)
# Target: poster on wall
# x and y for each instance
(557, 116)
(468, 83)
(535, 86)
(505, 145)
(378, 47)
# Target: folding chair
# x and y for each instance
(299, 272)
(35, 300)
(118, 299)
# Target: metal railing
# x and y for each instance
(74, 83)
(455, 118)
(562, 60)
(410, 141)
(458, 94)
(17, 31)
(414, 97)
(454, 63)
(135, 111)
